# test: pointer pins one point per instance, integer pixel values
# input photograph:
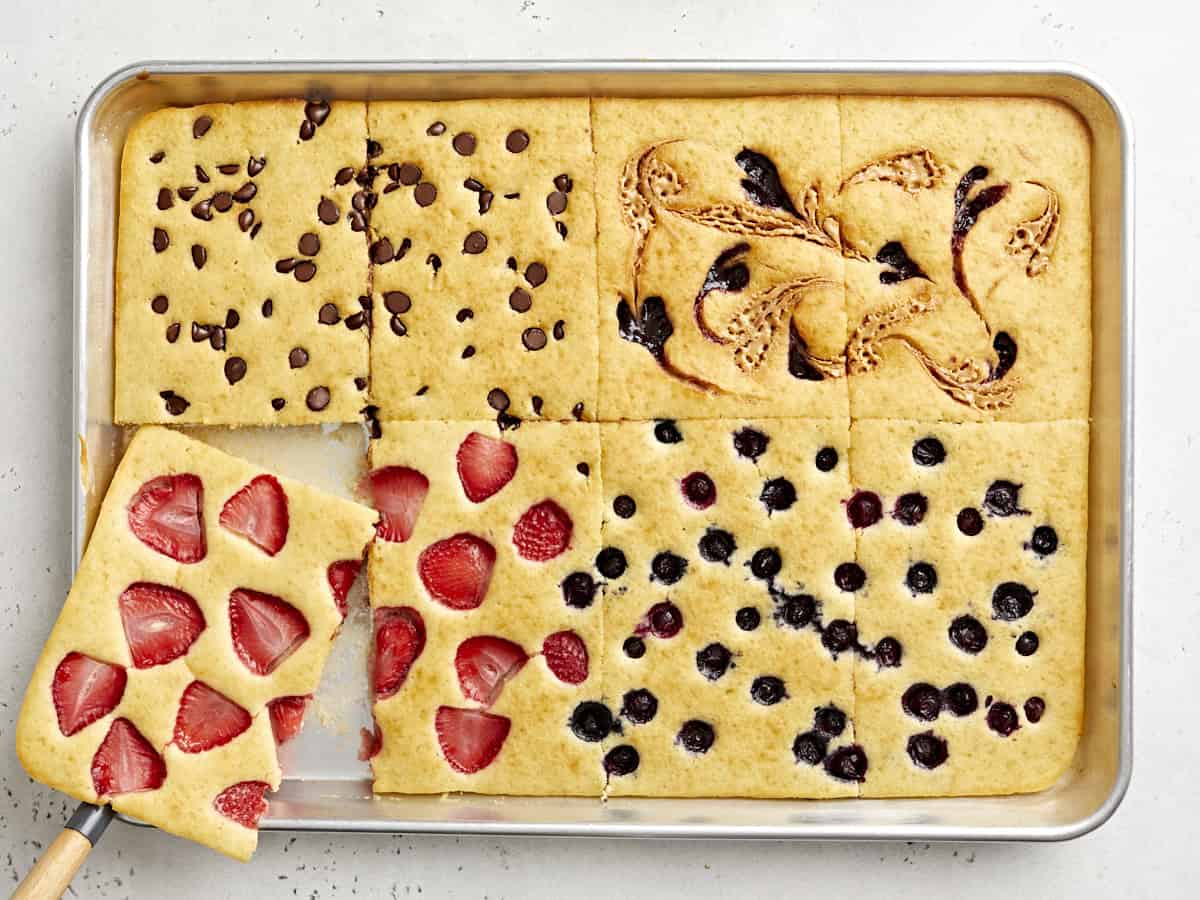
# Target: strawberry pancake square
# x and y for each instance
(487, 613)
(199, 621)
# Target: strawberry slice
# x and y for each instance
(85, 690)
(207, 719)
(244, 802)
(470, 738)
(399, 640)
(265, 629)
(457, 570)
(567, 656)
(287, 715)
(160, 623)
(259, 513)
(126, 763)
(370, 742)
(167, 514)
(543, 531)
(484, 664)
(398, 493)
(485, 465)
(341, 575)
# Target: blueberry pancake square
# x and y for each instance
(720, 259)
(974, 565)
(483, 256)
(487, 612)
(729, 592)
(240, 279)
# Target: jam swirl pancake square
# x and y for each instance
(241, 284)
(487, 609)
(969, 290)
(975, 569)
(720, 262)
(483, 258)
(194, 634)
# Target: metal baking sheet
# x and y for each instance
(326, 788)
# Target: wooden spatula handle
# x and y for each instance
(51, 875)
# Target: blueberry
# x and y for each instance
(579, 590)
(829, 721)
(667, 567)
(639, 706)
(611, 562)
(713, 661)
(622, 760)
(665, 619)
(1002, 719)
(696, 736)
(1035, 707)
(1011, 601)
(591, 721)
(797, 611)
(864, 509)
(849, 577)
(698, 490)
(747, 618)
(922, 701)
(888, 653)
(970, 522)
(766, 563)
(839, 636)
(827, 459)
(968, 634)
(927, 750)
(717, 545)
(750, 443)
(848, 764)
(624, 506)
(960, 698)
(1027, 644)
(667, 432)
(1003, 499)
(928, 451)
(910, 509)
(1044, 540)
(809, 748)
(921, 578)
(768, 690)
(634, 647)
(777, 495)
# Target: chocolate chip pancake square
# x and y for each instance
(239, 277)
(484, 260)
(970, 297)
(720, 262)
(206, 602)
(975, 580)
(728, 638)
(487, 612)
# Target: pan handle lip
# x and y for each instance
(91, 820)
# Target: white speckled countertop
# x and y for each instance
(52, 52)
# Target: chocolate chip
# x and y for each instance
(358, 222)
(485, 201)
(246, 192)
(473, 184)
(425, 193)
(360, 383)
(516, 141)
(382, 252)
(200, 126)
(203, 210)
(436, 129)
(497, 400)
(172, 332)
(511, 262)
(222, 201)
(435, 261)
(513, 196)
(359, 201)
(407, 174)
(397, 302)
(468, 351)
(161, 240)
(158, 157)
(556, 203)
(201, 175)
(165, 200)
(577, 411)
(422, 389)
(245, 219)
(228, 168)
(316, 111)
(374, 148)
(254, 165)
(268, 307)
(398, 327)
(199, 256)
(328, 314)
(317, 399)
(298, 358)
(464, 143)
(235, 369)
(536, 402)
(563, 183)
(175, 404)
(255, 230)
(187, 192)
(559, 330)
(475, 242)
(391, 186)
(535, 274)
(343, 176)
(463, 314)
(232, 319)
(304, 271)
(216, 337)
(159, 304)
(561, 228)
(307, 130)
(278, 403)
(533, 338)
